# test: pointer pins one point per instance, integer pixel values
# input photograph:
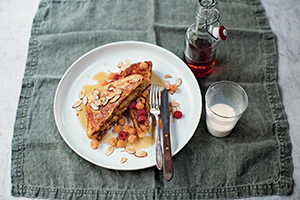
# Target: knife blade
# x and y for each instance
(165, 117)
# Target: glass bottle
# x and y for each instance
(201, 39)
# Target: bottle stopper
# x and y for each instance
(220, 32)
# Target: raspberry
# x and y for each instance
(132, 105)
(141, 119)
(177, 114)
(122, 135)
(117, 76)
(142, 112)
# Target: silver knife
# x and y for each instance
(165, 117)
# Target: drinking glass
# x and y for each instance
(225, 102)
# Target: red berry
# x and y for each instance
(122, 135)
(132, 105)
(142, 112)
(177, 114)
(117, 76)
(141, 119)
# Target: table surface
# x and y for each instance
(16, 20)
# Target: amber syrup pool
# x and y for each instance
(200, 57)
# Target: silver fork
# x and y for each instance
(155, 111)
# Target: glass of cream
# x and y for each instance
(225, 102)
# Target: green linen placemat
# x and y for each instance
(254, 160)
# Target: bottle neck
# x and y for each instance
(206, 17)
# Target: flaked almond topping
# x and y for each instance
(108, 72)
(102, 99)
(118, 91)
(120, 64)
(171, 91)
(168, 76)
(174, 104)
(128, 61)
(82, 93)
(78, 108)
(104, 93)
(109, 150)
(123, 160)
(91, 98)
(94, 107)
(77, 103)
(141, 154)
(173, 109)
(111, 88)
(98, 102)
(130, 149)
(111, 95)
(143, 65)
(105, 101)
(178, 82)
(134, 80)
(96, 94)
(84, 100)
(116, 97)
(167, 85)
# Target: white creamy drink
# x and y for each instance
(220, 119)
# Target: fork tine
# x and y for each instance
(157, 95)
(151, 96)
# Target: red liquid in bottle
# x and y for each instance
(200, 57)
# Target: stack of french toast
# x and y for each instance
(111, 101)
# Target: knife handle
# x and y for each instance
(168, 165)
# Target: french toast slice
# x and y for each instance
(144, 69)
(107, 104)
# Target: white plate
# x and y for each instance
(105, 58)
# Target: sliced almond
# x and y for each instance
(118, 91)
(174, 104)
(178, 82)
(94, 107)
(120, 64)
(123, 160)
(98, 102)
(130, 149)
(111, 88)
(167, 85)
(115, 98)
(111, 95)
(173, 110)
(77, 103)
(96, 94)
(109, 150)
(78, 108)
(108, 72)
(128, 61)
(84, 100)
(82, 93)
(168, 76)
(141, 154)
(105, 101)
(103, 93)
(171, 91)
(134, 80)
(102, 99)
